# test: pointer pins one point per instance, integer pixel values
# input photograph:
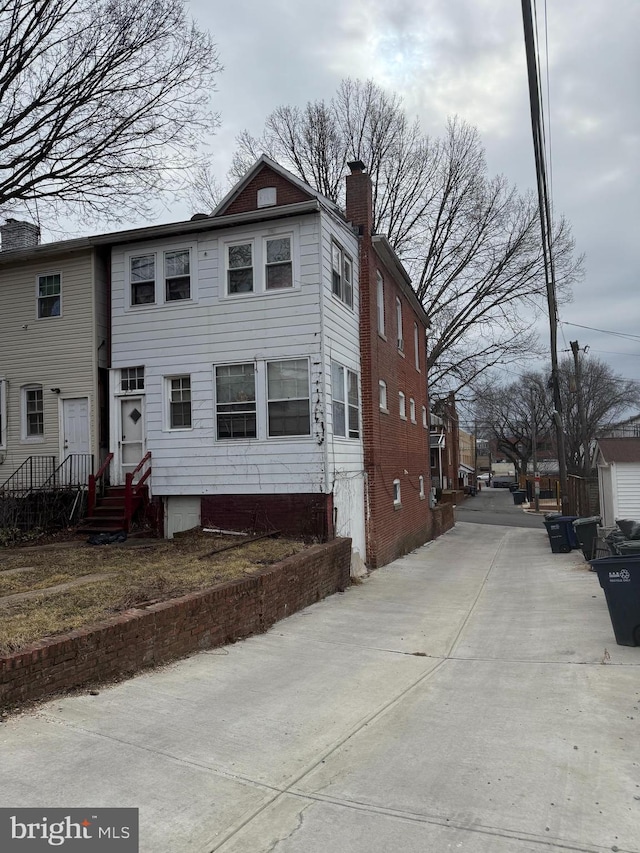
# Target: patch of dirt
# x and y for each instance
(139, 574)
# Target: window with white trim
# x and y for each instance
(412, 410)
(382, 385)
(278, 271)
(399, 325)
(402, 405)
(397, 497)
(380, 285)
(3, 414)
(179, 402)
(421, 486)
(424, 417)
(236, 401)
(49, 295)
(288, 399)
(345, 404)
(416, 345)
(240, 268)
(142, 276)
(32, 412)
(132, 379)
(341, 274)
(177, 275)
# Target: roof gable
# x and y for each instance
(263, 174)
(619, 449)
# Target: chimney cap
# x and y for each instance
(357, 167)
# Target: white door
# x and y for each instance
(76, 444)
(131, 433)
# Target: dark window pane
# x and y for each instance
(240, 256)
(237, 425)
(49, 306)
(180, 415)
(289, 417)
(178, 288)
(279, 275)
(142, 294)
(338, 418)
(240, 281)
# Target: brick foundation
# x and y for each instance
(443, 519)
(141, 638)
(305, 516)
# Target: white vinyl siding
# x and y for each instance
(627, 482)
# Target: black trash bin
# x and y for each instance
(519, 496)
(627, 546)
(620, 579)
(562, 537)
(586, 530)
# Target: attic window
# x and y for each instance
(267, 197)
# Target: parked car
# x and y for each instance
(502, 482)
(484, 478)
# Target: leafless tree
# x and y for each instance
(507, 412)
(470, 241)
(102, 104)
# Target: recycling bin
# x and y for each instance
(620, 579)
(586, 530)
(519, 496)
(627, 546)
(562, 536)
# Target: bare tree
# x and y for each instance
(470, 241)
(606, 397)
(102, 104)
(508, 412)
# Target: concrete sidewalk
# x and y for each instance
(470, 696)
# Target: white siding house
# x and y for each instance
(618, 461)
(235, 359)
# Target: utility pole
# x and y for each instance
(582, 416)
(546, 229)
(534, 455)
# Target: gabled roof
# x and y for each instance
(619, 449)
(262, 162)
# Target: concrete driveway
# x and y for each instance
(470, 696)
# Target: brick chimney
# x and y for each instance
(359, 198)
(18, 235)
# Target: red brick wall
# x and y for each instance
(443, 519)
(307, 516)
(159, 633)
(392, 446)
(287, 193)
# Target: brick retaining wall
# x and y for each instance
(443, 519)
(141, 638)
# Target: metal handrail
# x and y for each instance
(30, 475)
(132, 489)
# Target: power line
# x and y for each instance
(604, 331)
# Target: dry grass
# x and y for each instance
(154, 572)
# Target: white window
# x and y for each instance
(397, 498)
(399, 324)
(383, 395)
(403, 406)
(32, 412)
(288, 401)
(236, 401)
(49, 295)
(179, 402)
(177, 275)
(278, 267)
(424, 417)
(240, 268)
(142, 272)
(421, 485)
(132, 379)
(345, 401)
(342, 274)
(267, 197)
(380, 282)
(3, 414)
(161, 277)
(416, 345)
(412, 410)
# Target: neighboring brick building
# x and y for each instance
(393, 328)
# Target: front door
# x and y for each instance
(76, 444)
(131, 433)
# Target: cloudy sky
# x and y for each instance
(467, 57)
